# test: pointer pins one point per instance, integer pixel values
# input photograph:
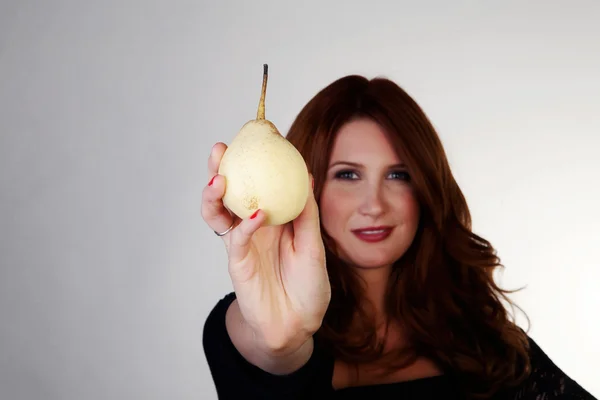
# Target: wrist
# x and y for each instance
(287, 359)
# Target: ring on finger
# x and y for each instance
(226, 231)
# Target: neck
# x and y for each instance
(375, 281)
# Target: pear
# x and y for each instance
(263, 170)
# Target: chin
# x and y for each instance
(374, 262)
(376, 255)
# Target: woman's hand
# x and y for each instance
(278, 272)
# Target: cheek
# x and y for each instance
(410, 209)
(335, 207)
(402, 202)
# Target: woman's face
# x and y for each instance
(368, 204)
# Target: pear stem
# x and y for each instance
(261, 104)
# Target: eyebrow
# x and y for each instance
(357, 165)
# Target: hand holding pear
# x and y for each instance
(275, 250)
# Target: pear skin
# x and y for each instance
(263, 170)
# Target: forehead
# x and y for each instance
(363, 140)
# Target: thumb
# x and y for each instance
(307, 227)
(242, 235)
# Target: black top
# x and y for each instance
(236, 378)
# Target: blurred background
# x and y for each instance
(108, 111)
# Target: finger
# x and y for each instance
(214, 160)
(307, 227)
(214, 213)
(241, 237)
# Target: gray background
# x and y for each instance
(108, 110)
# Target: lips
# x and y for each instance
(373, 234)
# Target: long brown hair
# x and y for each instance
(442, 290)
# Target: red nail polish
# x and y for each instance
(254, 215)
(212, 180)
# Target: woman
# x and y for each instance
(379, 288)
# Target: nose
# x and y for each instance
(373, 203)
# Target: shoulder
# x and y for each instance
(224, 302)
(235, 377)
(215, 322)
(547, 379)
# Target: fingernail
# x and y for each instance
(254, 215)
(212, 180)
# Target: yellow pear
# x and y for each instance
(263, 170)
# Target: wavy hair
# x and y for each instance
(442, 290)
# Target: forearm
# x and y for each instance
(256, 352)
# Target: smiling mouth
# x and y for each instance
(373, 234)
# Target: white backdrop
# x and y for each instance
(108, 111)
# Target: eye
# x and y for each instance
(346, 175)
(401, 175)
